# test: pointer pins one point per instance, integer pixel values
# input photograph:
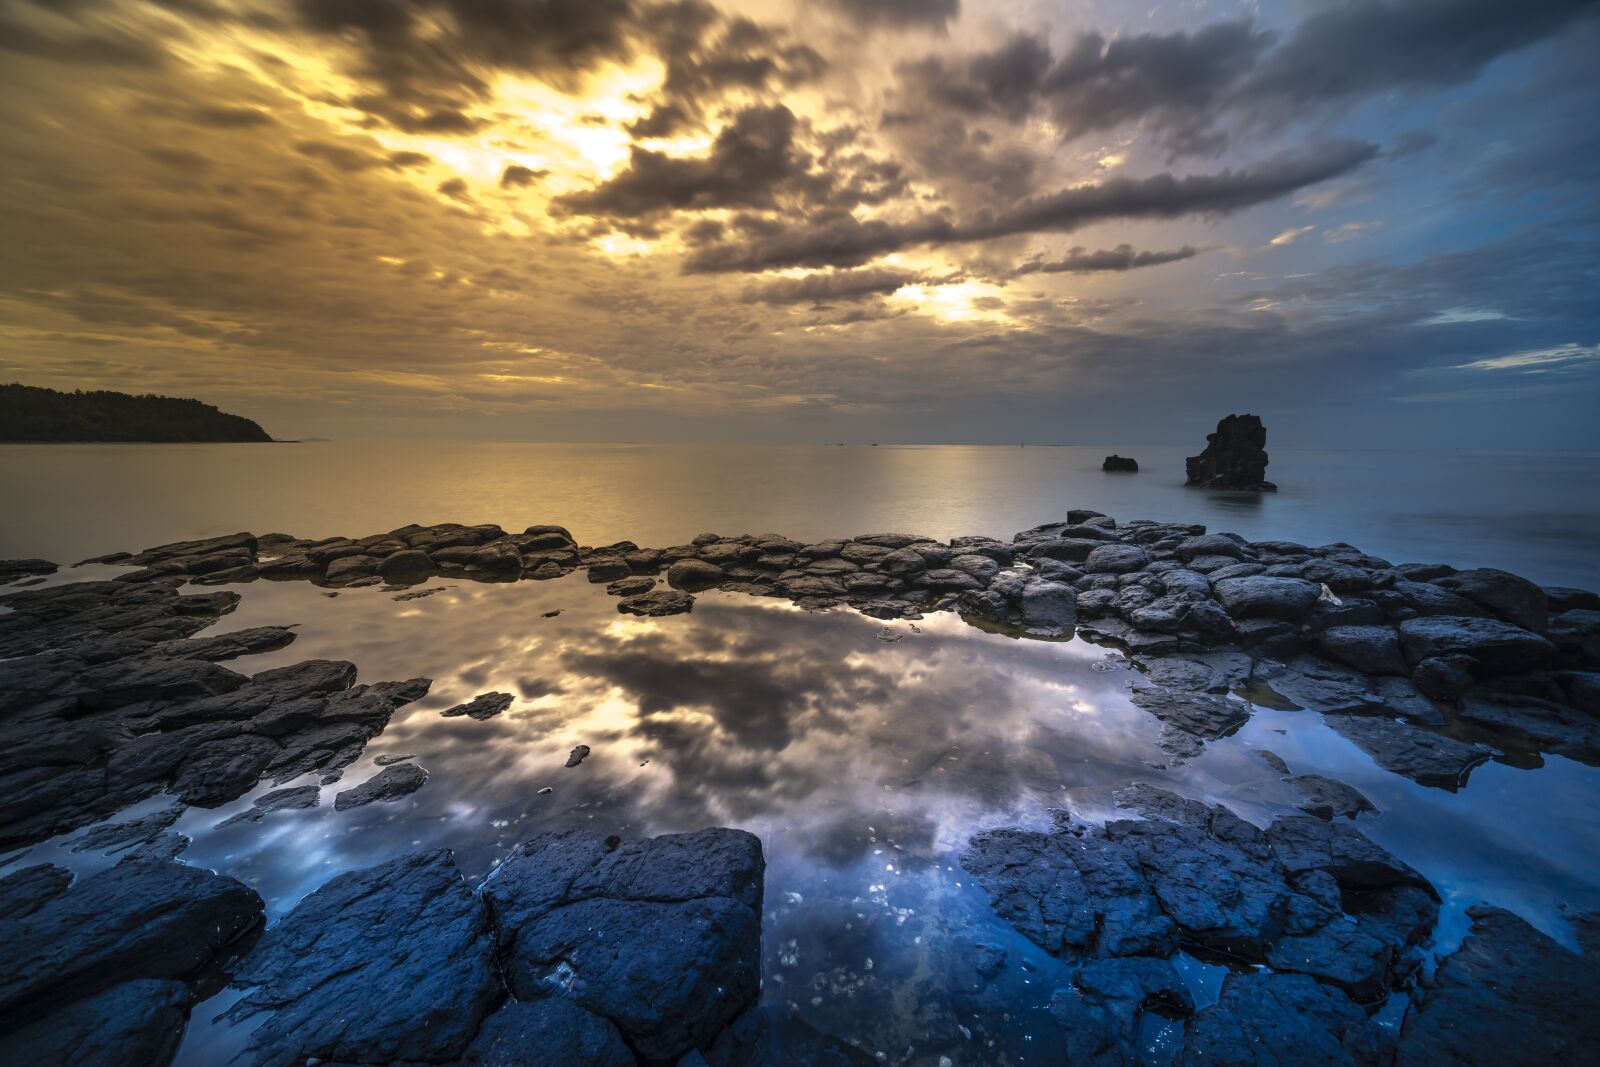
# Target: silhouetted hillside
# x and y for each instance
(28, 413)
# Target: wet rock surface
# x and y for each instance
(1509, 994)
(483, 707)
(96, 970)
(1338, 921)
(108, 697)
(660, 937)
(395, 782)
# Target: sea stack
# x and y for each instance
(1120, 465)
(1235, 457)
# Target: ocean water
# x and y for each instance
(863, 754)
(1534, 515)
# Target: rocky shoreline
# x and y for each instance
(108, 699)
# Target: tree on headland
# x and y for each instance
(30, 413)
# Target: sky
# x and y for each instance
(1373, 222)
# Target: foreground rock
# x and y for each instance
(1509, 995)
(660, 937)
(1302, 895)
(1235, 456)
(96, 970)
(107, 699)
(391, 963)
(1272, 1019)
(482, 707)
(395, 782)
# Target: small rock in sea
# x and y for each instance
(551, 614)
(633, 586)
(546, 791)
(391, 783)
(890, 635)
(330, 595)
(483, 707)
(1120, 465)
(393, 757)
(579, 754)
(419, 594)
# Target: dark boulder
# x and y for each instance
(1373, 649)
(660, 937)
(1235, 456)
(1120, 465)
(1508, 596)
(393, 963)
(1495, 647)
(1260, 596)
(12, 569)
(412, 565)
(694, 576)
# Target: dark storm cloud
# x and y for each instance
(753, 160)
(837, 238)
(707, 55)
(1186, 84)
(1120, 258)
(821, 288)
(431, 59)
(899, 12)
(103, 46)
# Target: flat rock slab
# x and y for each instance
(138, 919)
(393, 963)
(656, 604)
(1326, 798)
(1275, 1020)
(1425, 757)
(1510, 994)
(294, 798)
(135, 1024)
(392, 783)
(661, 937)
(482, 707)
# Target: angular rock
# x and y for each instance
(1276, 1020)
(658, 603)
(1421, 755)
(393, 963)
(295, 798)
(1116, 559)
(138, 919)
(482, 707)
(391, 783)
(660, 937)
(1510, 994)
(1302, 843)
(135, 1024)
(1235, 456)
(1326, 798)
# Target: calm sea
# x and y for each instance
(1535, 515)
